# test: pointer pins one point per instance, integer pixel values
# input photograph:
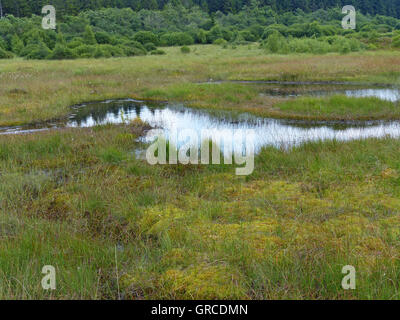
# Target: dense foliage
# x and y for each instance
(113, 32)
(27, 7)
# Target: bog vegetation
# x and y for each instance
(185, 232)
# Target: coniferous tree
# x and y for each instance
(27, 7)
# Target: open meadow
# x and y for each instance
(115, 227)
(33, 91)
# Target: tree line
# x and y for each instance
(25, 8)
(113, 32)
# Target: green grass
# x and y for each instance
(69, 198)
(33, 91)
(116, 227)
(339, 108)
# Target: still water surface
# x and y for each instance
(172, 117)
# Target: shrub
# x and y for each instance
(185, 50)
(150, 46)
(101, 53)
(283, 30)
(61, 52)
(3, 44)
(103, 38)
(38, 36)
(158, 52)
(60, 39)
(88, 36)
(256, 30)
(207, 25)
(220, 42)
(108, 51)
(113, 51)
(274, 42)
(36, 51)
(227, 34)
(214, 34)
(308, 46)
(133, 51)
(177, 39)
(202, 36)
(383, 28)
(17, 44)
(396, 42)
(85, 51)
(77, 42)
(217, 32)
(5, 54)
(239, 40)
(332, 30)
(134, 44)
(344, 45)
(367, 28)
(248, 36)
(145, 37)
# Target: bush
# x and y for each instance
(145, 37)
(367, 28)
(103, 38)
(207, 25)
(177, 39)
(3, 44)
(134, 44)
(133, 51)
(256, 30)
(248, 36)
(283, 30)
(396, 42)
(85, 51)
(158, 52)
(17, 44)
(77, 42)
(101, 53)
(150, 46)
(89, 37)
(108, 51)
(214, 34)
(39, 36)
(113, 51)
(220, 42)
(62, 52)
(275, 42)
(383, 28)
(217, 32)
(185, 50)
(309, 46)
(344, 45)
(36, 51)
(5, 54)
(202, 37)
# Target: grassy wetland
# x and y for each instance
(115, 227)
(33, 91)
